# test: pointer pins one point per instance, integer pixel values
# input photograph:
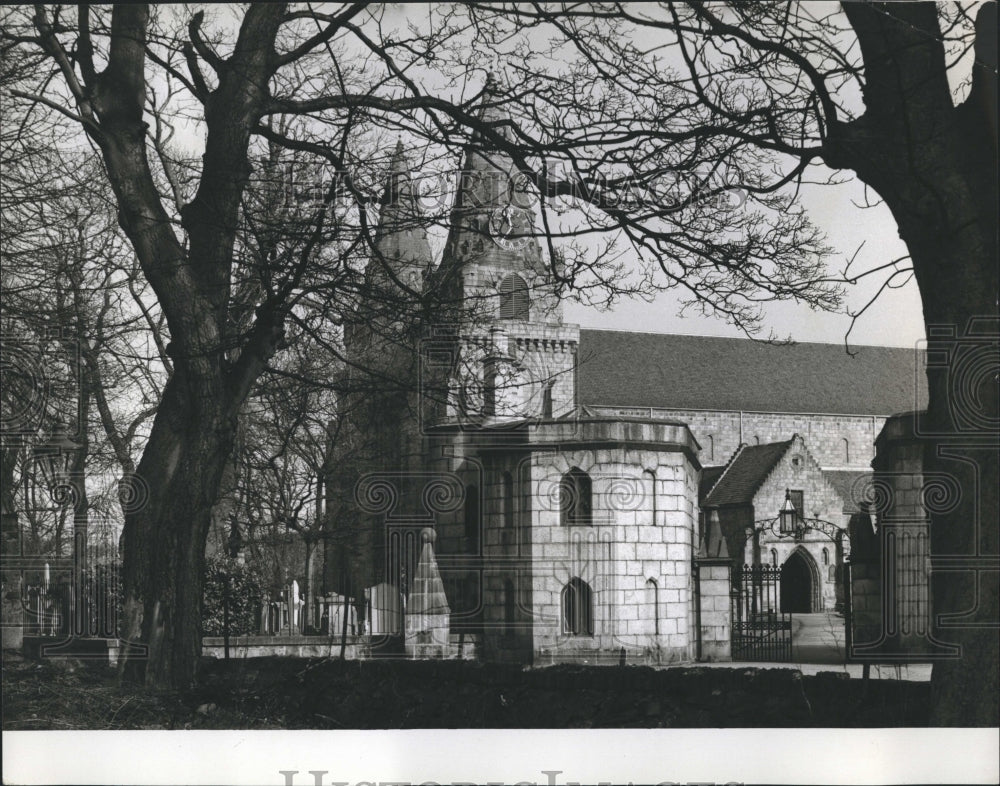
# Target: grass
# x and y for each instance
(278, 693)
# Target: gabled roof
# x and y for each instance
(744, 474)
(849, 485)
(623, 369)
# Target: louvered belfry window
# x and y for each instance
(515, 301)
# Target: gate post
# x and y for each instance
(713, 608)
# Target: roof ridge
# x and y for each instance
(790, 343)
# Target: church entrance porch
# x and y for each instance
(800, 584)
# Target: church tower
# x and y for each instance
(377, 437)
(517, 356)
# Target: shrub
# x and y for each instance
(244, 588)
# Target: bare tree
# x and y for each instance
(226, 311)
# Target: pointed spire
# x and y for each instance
(493, 111)
(399, 182)
(401, 238)
(398, 163)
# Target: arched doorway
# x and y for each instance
(798, 588)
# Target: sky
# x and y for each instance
(895, 319)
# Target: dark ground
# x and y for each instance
(282, 693)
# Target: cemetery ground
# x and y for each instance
(327, 693)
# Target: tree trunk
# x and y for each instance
(935, 164)
(164, 542)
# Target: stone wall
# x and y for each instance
(714, 609)
(867, 625)
(835, 441)
(286, 646)
(899, 489)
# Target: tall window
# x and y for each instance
(826, 556)
(711, 448)
(650, 475)
(508, 500)
(472, 517)
(578, 608)
(547, 399)
(653, 593)
(774, 557)
(575, 497)
(847, 451)
(515, 302)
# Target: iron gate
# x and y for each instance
(761, 632)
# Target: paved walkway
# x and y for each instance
(818, 638)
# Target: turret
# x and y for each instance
(493, 236)
(515, 357)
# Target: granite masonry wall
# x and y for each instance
(835, 441)
(714, 609)
(634, 555)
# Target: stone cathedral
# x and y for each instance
(513, 487)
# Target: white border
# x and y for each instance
(511, 756)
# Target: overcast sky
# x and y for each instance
(894, 320)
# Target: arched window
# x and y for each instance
(847, 450)
(578, 608)
(509, 607)
(651, 476)
(711, 448)
(472, 517)
(547, 399)
(653, 592)
(515, 302)
(826, 556)
(507, 482)
(575, 497)
(756, 440)
(774, 557)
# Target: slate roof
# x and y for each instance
(624, 369)
(848, 484)
(744, 474)
(709, 475)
